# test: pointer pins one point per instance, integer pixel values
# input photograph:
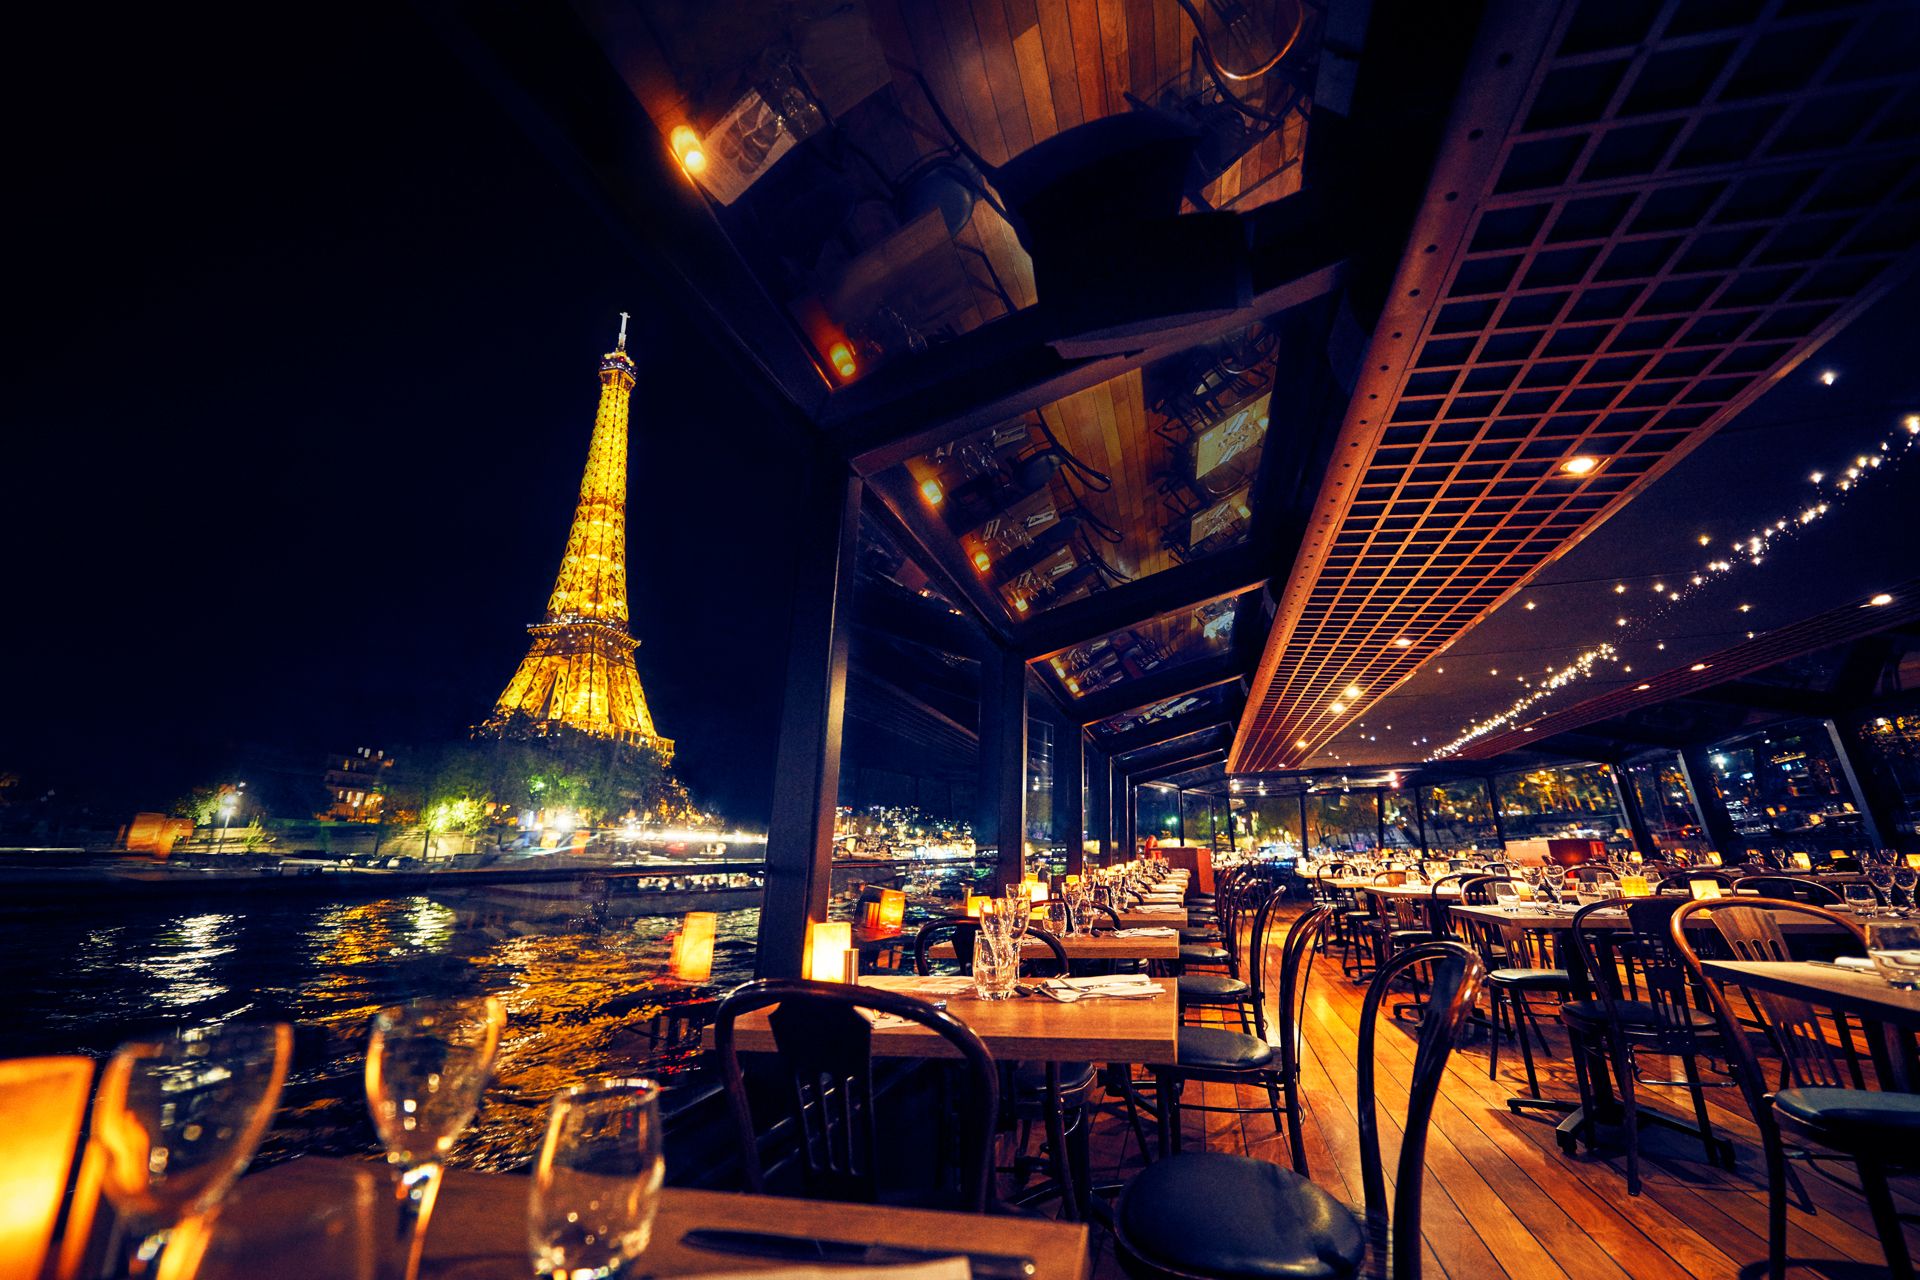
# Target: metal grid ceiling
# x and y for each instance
(1683, 200)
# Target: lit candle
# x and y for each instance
(827, 944)
(1711, 857)
(1803, 862)
(693, 948)
(1704, 889)
(892, 909)
(43, 1100)
(1635, 887)
(975, 902)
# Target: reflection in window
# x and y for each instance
(1197, 807)
(1572, 803)
(1163, 643)
(1666, 803)
(1398, 819)
(1269, 823)
(1343, 821)
(1042, 830)
(1893, 753)
(1785, 789)
(1459, 817)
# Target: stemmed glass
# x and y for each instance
(1860, 898)
(596, 1184)
(176, 1120)
(1019, 909)
(427, 1064)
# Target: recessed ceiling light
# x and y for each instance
(1336, 708)
(1828, 377)
(1706, 539)
(1529, 604)
(1698, 666)
(1619, 588)
(1353, 691)
(1882, 598)
(1643, 687)
(1302, 744)
(1403, 642)
(1580, 464)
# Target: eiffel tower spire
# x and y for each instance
(578, 673)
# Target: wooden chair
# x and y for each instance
(1792, 889)
(1214, 1216)
(824, 1048)
(1684, 877)
(1216, 1054)
(1825, 1099)
(1520, 965)
(45, 1102)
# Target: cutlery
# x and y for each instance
(769, 1244)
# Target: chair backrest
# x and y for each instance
(1477, 890)
(1440, 903)
(824, 1047)
(1685, 876)
(1792, 888)
(1455, 978)
(1637, 963)
(1749, 929)
(961, 932)
(45, 1102)
(1112, 916)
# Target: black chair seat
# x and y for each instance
(1852, 1115)
(1217, 1049)
(1634, 1014)
(1199, 936)
(1204, 955)
(1532, 979)
(1227, 1217)
(1212, 988)
(1409, 937)
(1030, 1079)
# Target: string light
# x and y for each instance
(1579, 669)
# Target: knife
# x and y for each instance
(769, 1244)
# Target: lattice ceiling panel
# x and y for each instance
(1617, 254)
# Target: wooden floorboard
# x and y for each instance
(1501, 1198)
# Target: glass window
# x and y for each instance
(1666, 803)
(1459, 817)
(1268, 822)
(1157, 812)
(1785, 789)
(1396, 808)
(1159, 644)
(1197, 806)
(1570, 803)
(1343, 821)
(1892, 753)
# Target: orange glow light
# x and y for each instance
(688, 150)
(932, 492)
(842, 356)
(981, 562)
(828, 942)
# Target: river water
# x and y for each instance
(80, 979)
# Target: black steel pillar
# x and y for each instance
(1708, 804)
(1303, 822)
(1872, 824)
(1099, 768)
(1380, 820)
(1069, 771)
(1420, 822)
(1003, 761)
(807, 757)
(1493, 803)
(1636, 817)
(1180, 814)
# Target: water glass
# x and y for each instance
(1019, 910)
(1059, 918)
(1860, 898)
(1506, 896)
(272, 1233)
(427, 1065)
(174, 1123)
(1895, 949)
(996, 968)
(596, 1184)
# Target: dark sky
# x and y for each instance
(297, 402)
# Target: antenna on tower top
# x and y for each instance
(622, 344)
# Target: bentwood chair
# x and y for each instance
(1642, 1003)
(1220, 1055)
(1684, 877)
(1791, 889)
(1237, 987)
(1214, 1216)
(1825, 1100)
(824, 1084)
(1520, 967)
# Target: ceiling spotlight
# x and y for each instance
(1403, 642)
(1882, 598)
(1529, 605)
(1580, 464)
(1336, 708)
(1659, 588)
(1619, 588)
(1706, 539)
(1643, 687)
(1698, 666)
(1746, 608)
(1619, 622)
(1828, 377)
(1302, 744)
(931, 490)
(981, 561)
(1353, 691)
(1494, 671)
(1912, 424)
(1817, 476)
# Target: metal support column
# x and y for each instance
(1420, 822)
(1099, 768)
(1493, 804)
(1871, 822)
(1303, 822)
(1380, 820)
(1636, 818)
(1708, 804)
(1069, 771)
(1180, 814)
(1003, 761)
(807, 756)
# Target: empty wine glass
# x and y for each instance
(1895, 949)
(1505, 895)
(1019, 910)
(176, 1120)
(596, 1184)
(427, 1064)
(1860, 898)
(1059, 919)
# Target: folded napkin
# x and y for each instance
(1119, 986)
(955, 1268)
(940, 986)
(886, 1021)
(1854, 962)
(1148, 931)
(1150, 910)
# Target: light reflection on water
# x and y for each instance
(577, 984)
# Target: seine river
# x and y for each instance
(80, 979)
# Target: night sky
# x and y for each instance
(299, 396)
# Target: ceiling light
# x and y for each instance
(688, 150)
(981, 561)
(1495, 671)
(932, 492)
(1746, 608)
(1403, 642)
(1882, 598)
(1302, 744)
(1828, 377)
(1619, 622)
(1659, 588)
(1619, 588)
(1706, 539)
(1643, 687)
(841, 355)
(1580, 464)
(1336, 708)
(1353, 691)
(1529, 605)
(1698, 666)
(1912, 424)
(1817, 476)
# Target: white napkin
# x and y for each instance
(940, 985)
(939, 1269)
(1119, 986)
(1157, 911)
(1148, 931)
(1853, 962)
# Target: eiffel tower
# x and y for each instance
(579, 673)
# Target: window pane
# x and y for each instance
(1459, 817)
(1574, 803)
(1666, 803)
(1893, 754)
(1343, 821)
(1785, 790)
(1397, 809)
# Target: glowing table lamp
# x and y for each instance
(974, 903)
(1635, 887)
(1036, 890)
(693, 949)
(44, 1100)
(1703, 889)
(1802, 861)
(1711, 857)
(828, 942)
(893, 908)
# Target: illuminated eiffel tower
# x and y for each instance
(579, 672)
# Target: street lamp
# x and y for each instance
(229, 801)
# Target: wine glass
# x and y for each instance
(1505, 895)
(596, 1184)
(176, 1120)
(1019, 910)
(427, 1064)
(1860, 898)
(1059, 918)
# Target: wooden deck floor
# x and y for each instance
(1502, 1200)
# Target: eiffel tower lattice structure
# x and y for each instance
(579, 674)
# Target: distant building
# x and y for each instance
(357, 783)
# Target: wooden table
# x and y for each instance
(1099, 946)
(1138, 919)
(1531, 917)
(479, 1226)
(1024, 1029)
(1892, 1016)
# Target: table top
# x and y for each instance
(1533, 917)
(1172, 917)
(1023, 1029)
(479, 1226)
(1099, 946)
(1860, 991)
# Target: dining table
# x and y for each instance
(1890, 1014)
(1029, 1028)
(1140, 943)
(1144, 916)
(479, 1227)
